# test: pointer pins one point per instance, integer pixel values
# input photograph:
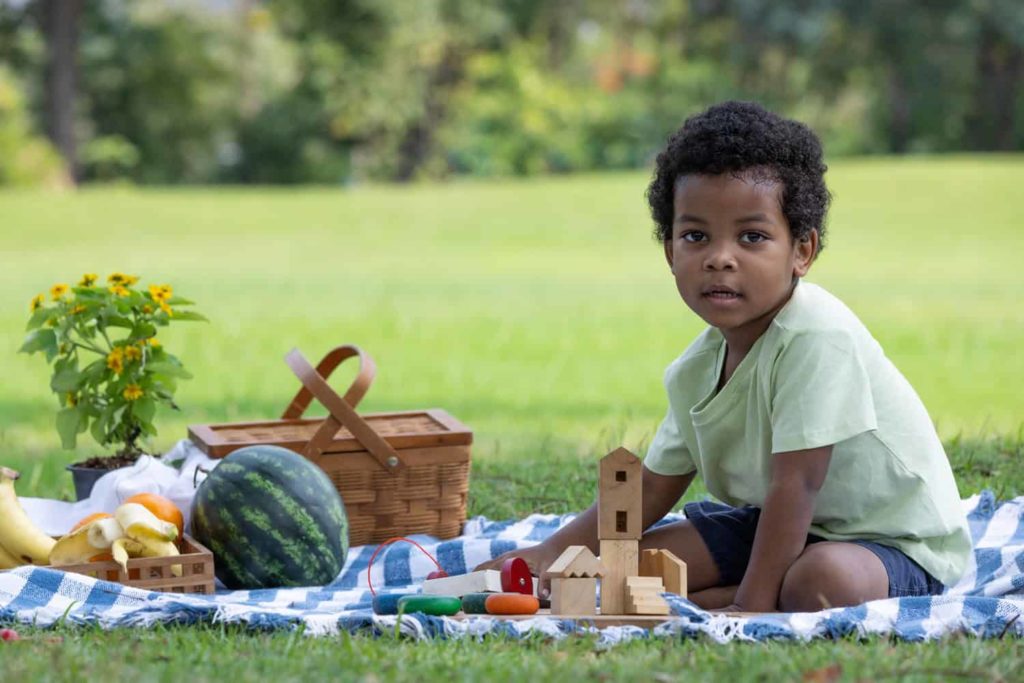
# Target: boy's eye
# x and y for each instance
(692, 236)
(752, 237)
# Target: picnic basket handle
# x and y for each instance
(334, 357)
(342, 414)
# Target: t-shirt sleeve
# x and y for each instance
(821, 393)
(668, 453)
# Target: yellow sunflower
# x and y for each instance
(132, 353)
(122, 279)
(37, 302)
(132, 392)
(119, 290)
(115, 360)
(58, 291)
(88, 280)
(161, 293)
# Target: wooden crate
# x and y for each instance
(398, 473)
(154, 573)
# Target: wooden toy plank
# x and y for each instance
(645, 583)
(574, 596)
(643, 595)
(620, 560)
(606, 620)
(486, 581)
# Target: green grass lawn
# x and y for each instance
(540, 313)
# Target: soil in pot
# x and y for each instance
(85, 473)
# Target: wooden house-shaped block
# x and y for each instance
(619, 490)
(574, 581)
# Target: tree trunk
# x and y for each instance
(61, 20)
(999, 71)
(418, 141)
(899, 112)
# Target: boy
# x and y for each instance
(835, 486)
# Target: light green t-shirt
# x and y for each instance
(817, 377)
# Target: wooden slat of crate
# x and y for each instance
(401, 430)
(195, 559)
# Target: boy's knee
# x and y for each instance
(832, 575)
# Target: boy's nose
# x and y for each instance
(720, 259)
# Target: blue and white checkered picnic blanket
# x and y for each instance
(988, 601)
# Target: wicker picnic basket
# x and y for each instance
(398, 473)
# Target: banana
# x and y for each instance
(123, 548)
(20, 537)
(85, 543)
(141, 525)
(8, 561)
(103, 532)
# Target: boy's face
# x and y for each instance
(732, 254)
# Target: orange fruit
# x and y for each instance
(90, 518)
(162, 507)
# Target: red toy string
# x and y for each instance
(369, 567)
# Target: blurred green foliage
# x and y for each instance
(329, 91)
(25, 158)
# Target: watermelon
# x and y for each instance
(271, 519)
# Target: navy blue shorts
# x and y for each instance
(728, 533)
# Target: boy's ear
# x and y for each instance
(806, 249)
(667, 246)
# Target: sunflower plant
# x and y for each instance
(110, 372)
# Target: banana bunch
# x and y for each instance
(133, 531)
(21, 541)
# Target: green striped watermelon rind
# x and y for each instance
(272, 519)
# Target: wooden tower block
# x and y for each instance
(670, 568)
(574, 596)
(619, 491)
(620, 559)
(642, 595)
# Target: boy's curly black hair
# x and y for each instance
(735, 137)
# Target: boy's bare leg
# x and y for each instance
(684, 541)
(833, 574)
(714, 598)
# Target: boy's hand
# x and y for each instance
(538, 558)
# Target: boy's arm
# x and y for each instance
(781, 535)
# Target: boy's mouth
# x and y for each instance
(721, 293)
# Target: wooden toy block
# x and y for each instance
(653, 604)
(620, 559)
(574, 596)
(576, 561)
(666, 565)
(620, 486)
(643, 595)
(486, 581)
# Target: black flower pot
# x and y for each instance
(84, 478)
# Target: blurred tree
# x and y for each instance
(328, 91)
(162, 80)
(62, 19)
